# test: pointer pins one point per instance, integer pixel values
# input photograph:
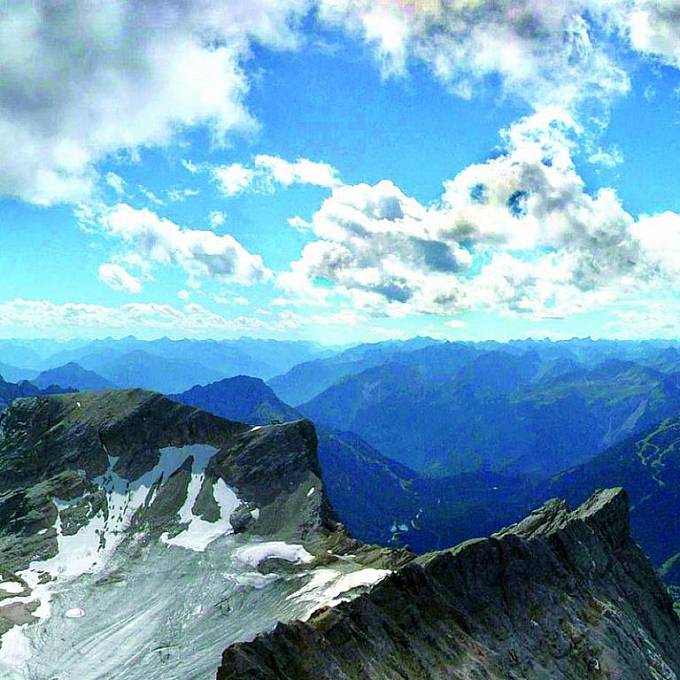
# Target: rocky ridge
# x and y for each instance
(563, 594)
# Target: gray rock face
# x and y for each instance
(563, 594)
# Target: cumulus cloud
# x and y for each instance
(233, 179)
(542, 52)
(653, 27)
(519, 234)
(154, 69)
(268, 171)
(118, 278)
(150, 70)
(156, 240)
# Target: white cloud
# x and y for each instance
(192, 319)
(231, 300)
(150, 196)
(269, 171)
(298, 223)
(216, 218)
(177, 195)
(653, 27)
(184, 295)
(608, 158)
(116, 182)
(455, 323)
(654, 319)
(233, 179)
(118, 278)
(542, 52)
(191, 167)
(518, 234)
(302, 171)
(189, 320)
(151, 70)
(156, 240)
(155, 69)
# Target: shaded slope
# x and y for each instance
(147, 371)
(648, 466)
(10, 391)
(563, 595)
(499, 411)
(308, 379)
(242, 398)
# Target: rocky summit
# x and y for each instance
(562, 594)
(144, 539)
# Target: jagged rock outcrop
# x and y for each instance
(563, 594)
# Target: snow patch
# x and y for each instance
(88, 550)
(328, 586)
(14, 653)
(255, 553)
(200, 533)
(12, 587)
(253, 579)
(75, 613)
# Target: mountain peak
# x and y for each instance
(605, 512)
(195, 514)
(242, 398)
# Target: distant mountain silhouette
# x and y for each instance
(74, 376)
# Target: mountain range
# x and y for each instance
(164, 364)
(445, 412)
(416, 446)
(10, 391)
(144, 538)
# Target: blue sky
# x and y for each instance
(351, 136)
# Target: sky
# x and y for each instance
(340, 170)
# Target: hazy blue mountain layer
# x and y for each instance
(72, 376)
(498, 411)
